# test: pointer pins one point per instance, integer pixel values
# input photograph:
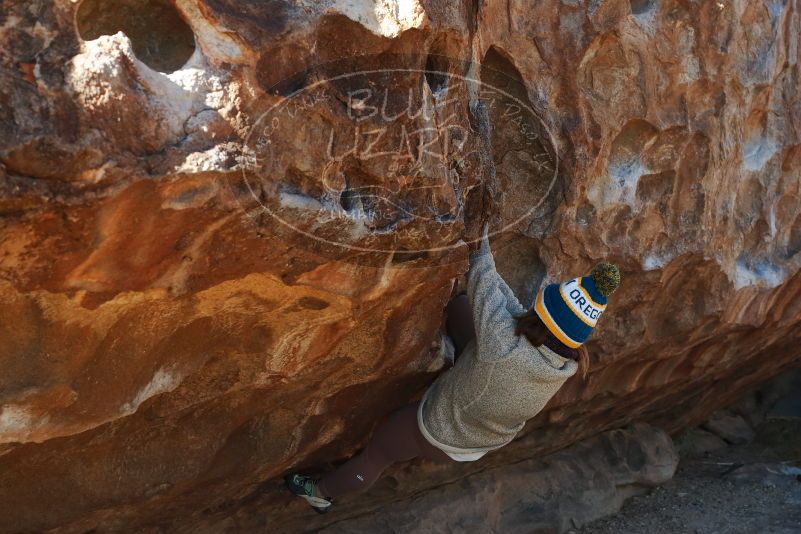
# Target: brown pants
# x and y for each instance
(398, 439)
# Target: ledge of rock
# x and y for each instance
(225, 255)
(557, 493)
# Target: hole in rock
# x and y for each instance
(794, 239)
(441, 62)
(279, 69)
(161, 39)
(366, 197)
(403, 256)
(638, 7)
(313, 303)
(351, 200)
(514, 126)
(625, 162)
(437, 73)
(522, 153)
(586, 214)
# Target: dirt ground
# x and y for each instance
(752, 488)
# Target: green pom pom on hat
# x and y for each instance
(606, 277)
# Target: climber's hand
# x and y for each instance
(462, 245)
(481, 246)
(485, 238)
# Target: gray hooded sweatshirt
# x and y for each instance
(498, 382)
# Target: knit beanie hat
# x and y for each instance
(572, 309)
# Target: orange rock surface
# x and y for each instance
(196, 298)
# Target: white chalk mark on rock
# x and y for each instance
(163, 381)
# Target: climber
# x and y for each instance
(507, 368)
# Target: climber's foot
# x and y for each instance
(305, 487)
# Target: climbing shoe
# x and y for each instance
(304, 487)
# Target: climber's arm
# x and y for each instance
(492, 308)
(512, 304)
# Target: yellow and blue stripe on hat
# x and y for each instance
(571, 310)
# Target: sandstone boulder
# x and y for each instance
(196, 298)
(557, 493)
(698, 442)
(730, 427)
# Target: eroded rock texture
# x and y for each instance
(196, 299)
(558, 493)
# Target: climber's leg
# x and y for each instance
(397, 439)
(459, 322)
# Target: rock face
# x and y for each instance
(562, 491)
(228, 230)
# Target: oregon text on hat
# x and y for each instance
(579, 301)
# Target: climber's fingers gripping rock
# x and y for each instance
(474, 245)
